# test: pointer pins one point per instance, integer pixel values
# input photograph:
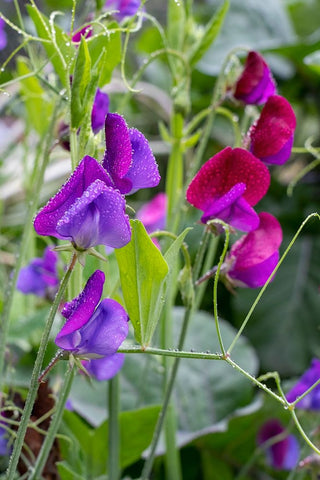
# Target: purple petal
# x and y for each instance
(103, 333)
(292, 455)
(3, 35)
(233, 209)
(97, 217)
(80, 309)
(118, 155)
(125, 8)
(257, 275)
(106, 367)
(311, 376)
(85, 32)
(40, 275)
(282, 155)
(153, 213)
(99, 111)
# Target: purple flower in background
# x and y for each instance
(87, 210)
(106, 367)
(99, 111)
(5, 449)
(40, 277)
(128, 158)
(153, 215)
(283, 454)
(228, 185)
(253, 258)
(93, 329)
(256, 83)
(124, 8)
(3, 35)
(276, 122)
(311, 376)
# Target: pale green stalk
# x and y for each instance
(114, 429)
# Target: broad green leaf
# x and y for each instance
(80, 81)
(209, 34)
(66, 472)
(142, 271)
(38, 106)
(60, 49)
(111, 44)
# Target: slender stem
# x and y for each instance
(23, 248)
(54, 425)
(74, 147)
(302, 432)
(244, 323)
(35, 374)
(148, 465)
(171, 353)
(114, 430)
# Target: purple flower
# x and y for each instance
(283, 454)
(99, 111)
(253, 258)
(85, 32)
(228, 185)
(5, 446)
(153, 215)
(312, 400)
(87, 210)
(40, 277)
(128, 158)
(93, 329)
(124, 8)
(3, 35)
(276, 122)
(256, 83)
(106, 367)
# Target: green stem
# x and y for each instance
(23, 248)
(54, 425)
(35, 374)
(170, 353)
(253, 306)
(74, 147)
(114, 430)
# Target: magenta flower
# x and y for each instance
(256, 83)
(87, 210)
(93, 329)
(124, 8)
(272, 135)
(283, 454)
(153, 213)
(106, 367)
(228, 185)
(85, 32)
(128, 158)
(253, 258)
(3, 35)
(40, 277)
(311, 376)
(99, 111)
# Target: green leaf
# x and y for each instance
(209, 34)
(60, 49)
(66, 472)
(111, 44)
(80, 81)
(176, 24)
(38, 107)
(142, 271)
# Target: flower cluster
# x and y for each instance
(233, 181)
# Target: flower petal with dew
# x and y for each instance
(99, 111)
(123, 8)
(106, 367)
(256, 84)
(128, 158)
(87, 210)
(283, 453)
(93, 329)
(253, 258)
(311, 376)
(40, 276)
(227, 186)
(272, 135)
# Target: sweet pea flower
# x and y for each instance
(256, 84)
(40, 277)
(3, 35)
(124, 8)
(153, 213)
(283, 454)
(128, 158)
(228, 185)
(93, 329)
(253, 258)
(87, 210)
(311, 376)
(272, 135)
(85, 32)
(99, 111)
(106, 367)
